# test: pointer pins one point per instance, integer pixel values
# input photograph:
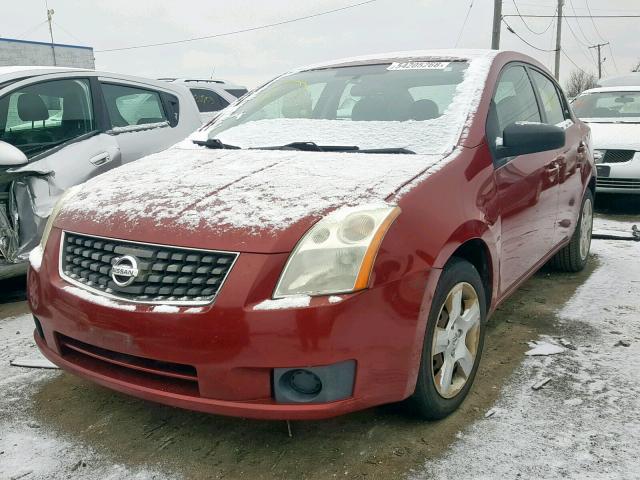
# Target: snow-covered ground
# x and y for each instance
(585, 423)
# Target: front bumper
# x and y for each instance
(620, 178)
(221, 358)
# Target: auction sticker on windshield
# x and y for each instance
(418, 66)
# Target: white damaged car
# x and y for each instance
(613, 113)
(61, 126)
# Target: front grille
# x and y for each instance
(618, 156)
(622, 183)
(166, 275)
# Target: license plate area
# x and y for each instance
(603, 170)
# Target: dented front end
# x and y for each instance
(25, 204)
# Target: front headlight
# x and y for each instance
(598, 155)
(337, 254)
(54, 213)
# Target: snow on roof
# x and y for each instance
(621, 88)
(439, 54)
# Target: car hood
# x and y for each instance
(623, 136)
(241, 200)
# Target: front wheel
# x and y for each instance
(453, 342)
(574, 256)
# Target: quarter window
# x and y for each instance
(132, 106)
(38, 117)
(549, 97)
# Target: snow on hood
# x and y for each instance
(435, 136)
(624, 136)
(254, 190)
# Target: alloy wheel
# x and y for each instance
(586, 226)
(455, 340)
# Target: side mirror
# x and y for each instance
(11, 156)
(520, 138)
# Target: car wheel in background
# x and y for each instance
(574, 256)
(453, 342)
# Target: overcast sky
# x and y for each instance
(254, 57)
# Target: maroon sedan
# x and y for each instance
(334, 241)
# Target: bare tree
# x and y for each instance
(579, 81)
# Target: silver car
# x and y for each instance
(210, 95)
(61, 126)
(613, 113)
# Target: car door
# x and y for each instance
(557, 112)
(142, 120)
(527, 185)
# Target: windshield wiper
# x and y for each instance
(214, 143)
(311, 147)
(400, 150)
(314, 147)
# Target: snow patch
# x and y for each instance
(35, 257)
(194, 310)
(166, 309)
(335, 299)
(543, 348)
(98, 299)
(297, 301)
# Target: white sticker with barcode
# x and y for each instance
(418, 66)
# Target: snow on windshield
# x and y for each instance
(423, 105)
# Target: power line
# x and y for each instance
(573, 16)
(464, 24)
(67, 32)
(527, 25)
(244, 30)
(522, 39)
(30, 30)
(574, 63)
(595, 27)
(578, 22)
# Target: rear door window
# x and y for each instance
(208, 101)
(130, 106)
(548, 93)
(41, 116)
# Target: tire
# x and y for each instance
(574, 256)
(434, 397)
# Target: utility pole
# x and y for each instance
(497, 22)
(558, 39)
(50, 13)
(600, 60)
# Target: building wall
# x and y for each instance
(21, 52)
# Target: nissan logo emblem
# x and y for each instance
(124, 270)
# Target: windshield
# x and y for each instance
(421, 106)
(608, 106)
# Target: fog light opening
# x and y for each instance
(305, 382)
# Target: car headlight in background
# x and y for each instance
(54, 213)
(337, 254)
(598, 155)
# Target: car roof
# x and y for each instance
(622, 88)
(15, 73)
(437, 54)
(202, 81)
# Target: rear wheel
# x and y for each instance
(453, 342)
(574, 256)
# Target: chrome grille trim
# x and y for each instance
(209, 300)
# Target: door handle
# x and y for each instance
(100, 159)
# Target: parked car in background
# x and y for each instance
(628, 79)
(335, 241)
(613, 114)
(62, 126)
(211, 95)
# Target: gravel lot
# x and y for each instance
(582, 424)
